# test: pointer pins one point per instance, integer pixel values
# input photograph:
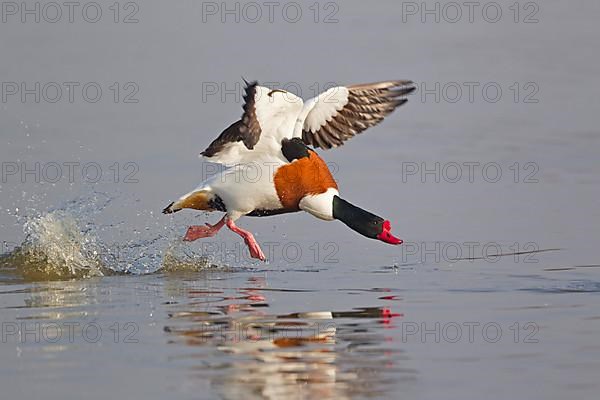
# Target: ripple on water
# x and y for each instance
(574, 286)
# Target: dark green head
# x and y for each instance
(363, 222)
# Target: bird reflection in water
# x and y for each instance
(247, 352)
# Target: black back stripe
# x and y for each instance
(269, 213)
(294, 149)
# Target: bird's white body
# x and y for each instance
(248, 187)
(245, 187)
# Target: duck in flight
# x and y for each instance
(271, 167)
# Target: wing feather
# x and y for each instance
(268, 117)
(340, 113)
(247, 130)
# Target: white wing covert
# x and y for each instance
(269, 116)
(341, 112)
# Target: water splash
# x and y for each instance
(67, 243)
(55, 246)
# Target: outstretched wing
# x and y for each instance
(268, 115)
(247, 130)
(341, 112)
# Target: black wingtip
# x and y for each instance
(403, 90)
(249, 83)
(409, 89)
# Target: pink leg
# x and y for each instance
(200, 231)
(253, 247)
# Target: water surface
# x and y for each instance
(495, 292)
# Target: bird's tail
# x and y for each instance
(197, 200)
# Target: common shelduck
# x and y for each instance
(272, 170)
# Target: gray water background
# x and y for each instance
(173, 56)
